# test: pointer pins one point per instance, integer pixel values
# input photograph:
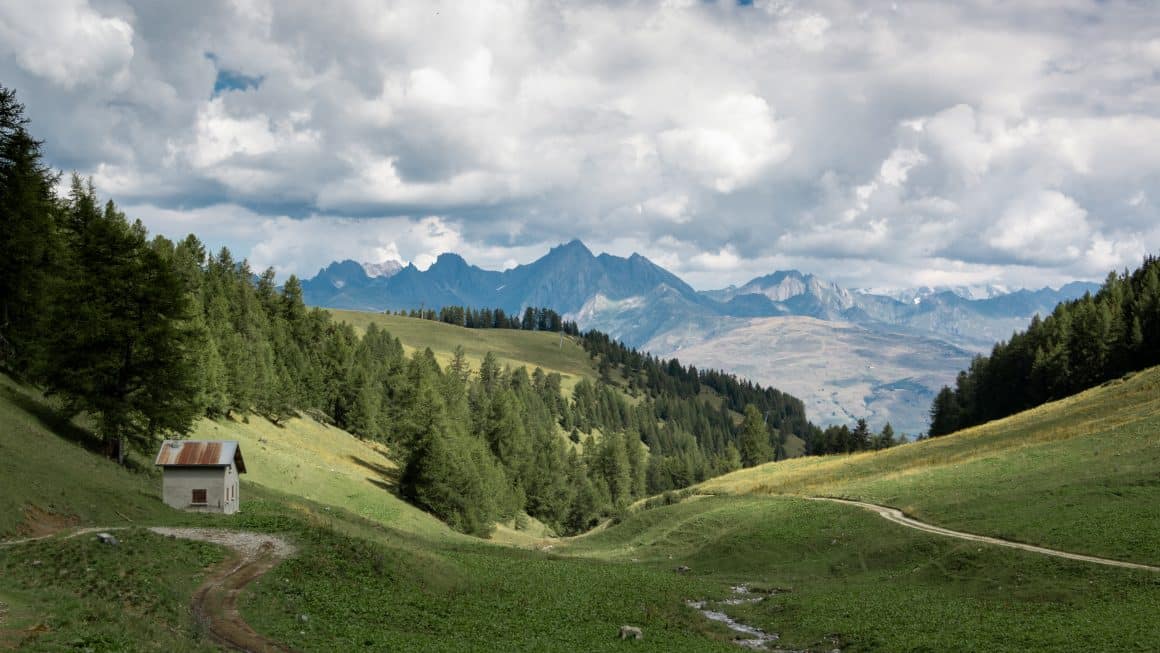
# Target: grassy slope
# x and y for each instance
(1080, 474)
(79, 594)
(530, 349)
(323, 464)
(57, 476)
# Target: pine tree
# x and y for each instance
(123, 349)
(754, 443)
(944, 413)
(29, 239)
(885, 438)
(860, 436)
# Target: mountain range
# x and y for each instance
(847, 353)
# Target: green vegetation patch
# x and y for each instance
(81, 594)
(830, 573)
(322, 463)
(48, 483)
(350, 594)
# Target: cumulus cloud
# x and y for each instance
(726, 144)
(875, 145)
(66, 41)
(1048, 227)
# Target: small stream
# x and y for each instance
(754, 638)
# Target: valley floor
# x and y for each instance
(370, 574)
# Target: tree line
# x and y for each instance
(534, 318)
(1081, 344)
(843, 439)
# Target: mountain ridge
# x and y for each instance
(890, 366)
(570, 275)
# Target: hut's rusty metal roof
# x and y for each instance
(200, 453)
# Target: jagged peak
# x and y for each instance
(449, 257)
(574, 245)
(346, 265)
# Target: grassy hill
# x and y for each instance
(329, 466)
(323, 464)
(374, 574)
(513, 347)
(530, 349)
(1081, 474)
(48, 481)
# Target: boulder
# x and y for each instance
(631, 632)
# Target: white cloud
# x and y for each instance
(1046, 227)
(66, 41)
(897, 166)
(932, 139)
(892, 175)
(722, 259)
(727, 143)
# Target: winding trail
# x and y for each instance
(895, 515)
(215, 603)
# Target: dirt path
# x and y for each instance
(896, 516)
(215, 603)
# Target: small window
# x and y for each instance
(199, 497)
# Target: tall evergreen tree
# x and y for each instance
(124, 347)
(28, 238)
(754, 444)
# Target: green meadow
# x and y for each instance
(530, 349)
(372, 573)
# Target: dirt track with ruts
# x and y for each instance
(215, 603)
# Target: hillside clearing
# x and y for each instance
(323, 463)
(517, 348)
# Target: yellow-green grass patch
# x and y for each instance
(530, 349)
(325, 464)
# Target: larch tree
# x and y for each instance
(124, 343)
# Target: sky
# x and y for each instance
(876, 144)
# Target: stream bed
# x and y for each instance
(753, 637)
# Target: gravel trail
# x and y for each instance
(895, 515)
(215, 603)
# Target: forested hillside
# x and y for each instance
(1080, 345)
(144, 335)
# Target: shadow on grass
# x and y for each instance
(60, 422)
(388, 478)
(57, 421)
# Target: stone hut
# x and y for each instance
(201, 475)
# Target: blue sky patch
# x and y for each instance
(231, 80)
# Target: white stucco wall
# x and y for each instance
(218, 483)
